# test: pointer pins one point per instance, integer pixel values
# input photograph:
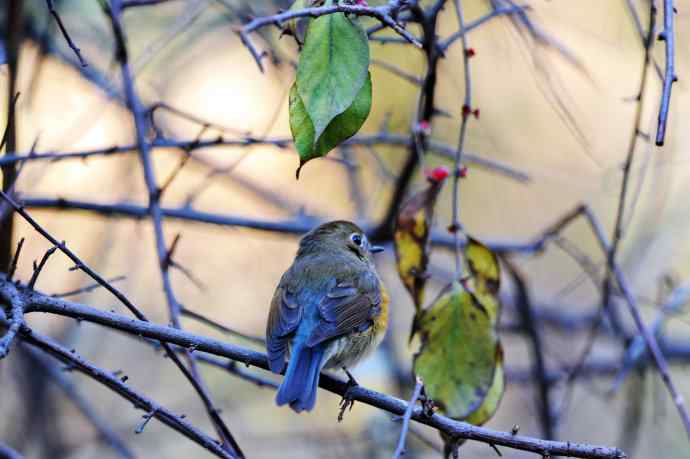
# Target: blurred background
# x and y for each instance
(563, 118)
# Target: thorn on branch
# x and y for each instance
(15, 260)
(147, 417)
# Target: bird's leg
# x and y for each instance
(347, 401)
(351, 381)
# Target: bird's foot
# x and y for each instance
(347, 401)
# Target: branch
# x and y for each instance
(668, 36)
(400, 450)
(455, 227)
(383, 139)
(15, 320)
(495, 13)
(297, 226)
(76, 362)
(384, 14)
(8, 453)
(37, 302)
(107, 434)
(53, 11)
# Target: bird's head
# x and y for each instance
(336, 236)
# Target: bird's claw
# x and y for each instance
(348, 401)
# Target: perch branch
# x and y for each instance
(37, 302)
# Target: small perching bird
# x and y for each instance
(329, 310)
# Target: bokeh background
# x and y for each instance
(566, 122)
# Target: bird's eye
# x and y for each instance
(356, 238)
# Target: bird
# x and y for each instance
(329, 311)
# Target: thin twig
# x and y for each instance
(455, 225)
(642, 34)
(218, 326)
(495, 13)
(77, 51)
(668, 36)
(88, 288)
(38, 268)
(400, 450)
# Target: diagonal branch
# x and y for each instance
(140, 401)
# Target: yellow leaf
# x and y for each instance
(485, 276)
(412, 238)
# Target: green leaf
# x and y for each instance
(457, 360)
(332, 69)
(341, 128)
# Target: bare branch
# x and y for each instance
(668, 36)
(77, 51)
(400, 449)
(107, 434)
(38, 268)
(8, 453)
(384, 14)
(76, 362)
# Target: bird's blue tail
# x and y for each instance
(301, 378)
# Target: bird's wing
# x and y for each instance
(283, 319)
(347, 306)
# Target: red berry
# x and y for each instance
(437, 174)
(466, 110)
(469, 52)
(476, 113)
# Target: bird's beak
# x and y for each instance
(376, 249)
